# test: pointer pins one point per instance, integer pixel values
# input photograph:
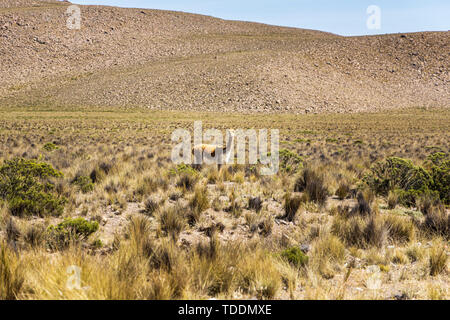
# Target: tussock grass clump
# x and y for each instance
(415, 253)
(252, 220)
(235, 207)
(392, 200)
(145, 186)
(291, 206)
(34, 235)
(266, 226)
(327, 255)
(150, 206)
(100, 171)
(401, 229)
(255, 203)
(138, 231)
(376, 232)
(313, 184)
(213, 176)
(13, 233)
(343, 190)
(361, 232)
(11, 274)
(437, 260)
(209, 250)
(427, 203)
(329, 247)
(364, 205)
(186, 181)
(200, 200)
(172, 221)
(399, 257)
(437, 222)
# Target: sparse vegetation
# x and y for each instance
(152, 234)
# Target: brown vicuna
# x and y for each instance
(219, 154)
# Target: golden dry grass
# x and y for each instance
(206, 241)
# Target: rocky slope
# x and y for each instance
(171, 60)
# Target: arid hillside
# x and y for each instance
(178, 61)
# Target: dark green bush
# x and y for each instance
(70, 230)
(28, 188)
(50, 146)
(440, 173)
(397, 173)
(183, 169)
(290, 161)
(410, 182)
(295, 256)
(84, 183)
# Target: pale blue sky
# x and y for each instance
(345, 17)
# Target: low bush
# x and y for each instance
(290, 161)
(29, 189)
(295, 256)
(50, 146)
(84, 183)
(70, 230)
(397, 173)
(410, 181)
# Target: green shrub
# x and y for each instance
(28, 188)
(410, 198)
(397, 173)
(440, 173)
(411, 182)
(295, 256)
(183, 169)
(84, 183)
(290, 161)
(50, 146)
(75, 229)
